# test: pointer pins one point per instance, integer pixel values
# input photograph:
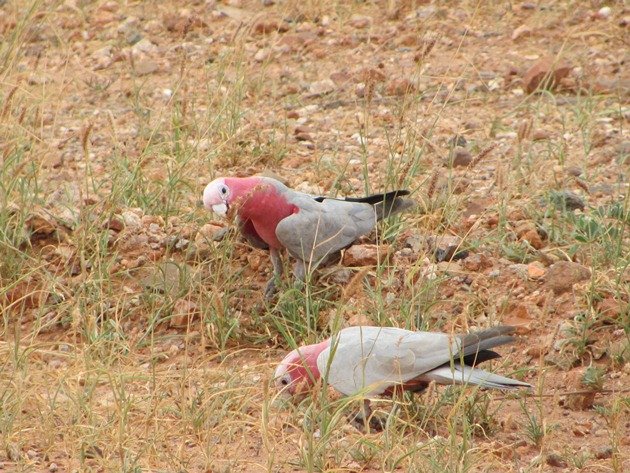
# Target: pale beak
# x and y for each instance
(220, 209)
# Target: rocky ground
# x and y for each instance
(135, 334)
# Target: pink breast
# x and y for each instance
(265, 208)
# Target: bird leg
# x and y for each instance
(364, 421)
(276, 261)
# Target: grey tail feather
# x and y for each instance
(369, 199)
(477, 343)
(389, 207)
(459, 374)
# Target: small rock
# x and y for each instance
(521, 317)
(574, 171)
(184, 311)
(115, 223)
(166, 277)
(13, 452)
(604, 13)
(211, 232)
(461, 157)
(582, 399)
(322, 87)
(40, 224)
(445, 247)
(546, 72)
(528, 6)
(53, 467)
(262, 55)
(144, 46)
(457, 141)
(360, 21)
(269, 25)
(567, 200)
(400, 87)
(535, 270)
(536, 351)
(540, 135)
(363, 255)
(604, 453)
(521, 31)
(32, 454)
(341, 275)
(145, 66)
(476, 262)
(554, 459)
(131, 220)
(561, 276)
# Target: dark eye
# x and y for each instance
(223, 190)
(284, 381)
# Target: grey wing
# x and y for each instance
(376, 358)
(321, 229)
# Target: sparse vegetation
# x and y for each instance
(134, 333)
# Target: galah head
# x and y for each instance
(217, 197)
(298, 370)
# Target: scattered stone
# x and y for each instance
(131, 220)
(144, 47)
(40, 224)
(536, 351)
(13, 452)
(262, 55)
(53, 467)
(400, 87)
(604, 453)
(115, 223)
(520, 316)
(445, 247)
(561, 276)
(546, 73)
(166, 277)
(341, 275)
(184, 311)
(360, 21)
(211, 232)
(604, 13)
(535, 270)
(476, 262)
(363, 255)
(458, 141)
(270, 25)
(554, 459)
(144, 66)
(582, 398)
(567, 200)
(574, 171)
(322, 87)
(540, 135)
(521, 31)
(461, 157)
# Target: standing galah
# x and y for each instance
(375, 360)
(312, 229)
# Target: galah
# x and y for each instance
(312, 229)
(374, 361)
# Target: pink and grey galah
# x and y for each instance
(312, 229)
(374, 361)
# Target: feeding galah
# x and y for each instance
(374, 361)
(312, 229)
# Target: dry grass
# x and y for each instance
(133, 341)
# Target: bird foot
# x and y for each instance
(270, 289)
(372, 424)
